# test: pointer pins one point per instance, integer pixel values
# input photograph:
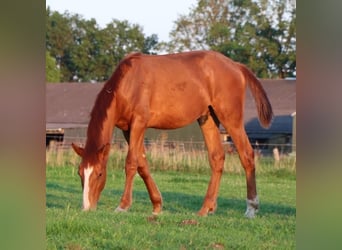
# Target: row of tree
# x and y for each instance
(258, 33)
(85, 52)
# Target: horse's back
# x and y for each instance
(175, 90)
(182, 71)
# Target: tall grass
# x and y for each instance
(176, 158)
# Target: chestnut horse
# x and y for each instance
(169, 92)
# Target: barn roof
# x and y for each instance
(68, 105)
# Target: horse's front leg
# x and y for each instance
(151, 186)
(136, 161)
(130, 171)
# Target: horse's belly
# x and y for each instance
(182, 104)
(175, 118)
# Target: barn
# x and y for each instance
(68, 106)
(281, 133)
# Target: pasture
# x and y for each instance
(182, 179)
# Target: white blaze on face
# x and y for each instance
(86, 202)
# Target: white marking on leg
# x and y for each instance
(86, 202)
(119, 209)
(252, 207)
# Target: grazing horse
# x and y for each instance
(169, 92)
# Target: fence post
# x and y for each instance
(276, 155)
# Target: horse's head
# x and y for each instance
(92, 171)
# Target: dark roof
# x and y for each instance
(69, 104)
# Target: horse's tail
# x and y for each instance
(264, 107)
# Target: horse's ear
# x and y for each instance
(77, 149)
(104, 151)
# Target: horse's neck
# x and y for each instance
(100, 130)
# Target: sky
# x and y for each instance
(155, 16)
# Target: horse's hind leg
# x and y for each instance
(236, 130)
(211, 136)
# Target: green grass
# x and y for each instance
(178, 227)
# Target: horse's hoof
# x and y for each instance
(203, 212)
(157, 209)
(252, 208)
(251, 213)
(120, 210)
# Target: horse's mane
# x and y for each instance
(103, 101)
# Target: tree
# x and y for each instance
(120, 38)
(58, 39)
(276, 33)
(51, 69)
(261, 33)
(84, 52)
(193, 31)
(150, 45)
(81, 56)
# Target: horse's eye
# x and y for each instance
(100, 174)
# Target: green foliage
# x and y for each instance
(52, 72)
(261, 33)
(150, 44)
(85, 52)
(178, 227)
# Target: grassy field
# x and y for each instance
(183, 190)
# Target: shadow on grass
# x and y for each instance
(59, 196)
(175, 202)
